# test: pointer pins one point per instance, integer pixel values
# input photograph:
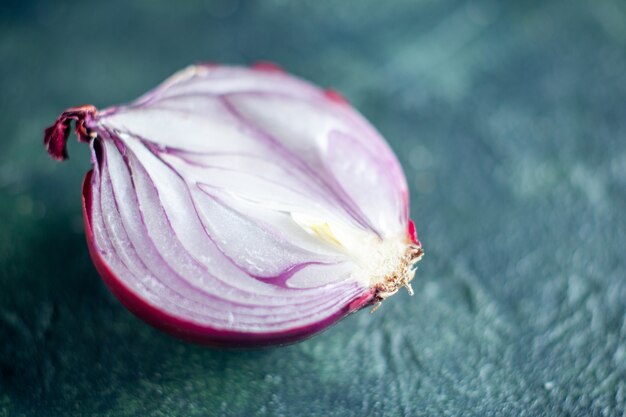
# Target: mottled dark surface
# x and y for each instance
(511, 124)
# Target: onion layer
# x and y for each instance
(242, 206)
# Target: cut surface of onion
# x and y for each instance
(241, 206)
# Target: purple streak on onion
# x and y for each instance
(242, 206)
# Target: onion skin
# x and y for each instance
(88, 130)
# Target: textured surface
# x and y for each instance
(510, 125)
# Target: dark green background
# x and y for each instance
(510, 121)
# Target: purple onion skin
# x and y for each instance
(86, 129)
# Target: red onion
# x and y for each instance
(242, 206)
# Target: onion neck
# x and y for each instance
(55, 136)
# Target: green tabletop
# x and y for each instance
(509, 119)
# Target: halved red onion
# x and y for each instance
(242, 206)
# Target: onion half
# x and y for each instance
(242, 206)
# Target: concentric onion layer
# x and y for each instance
(242, 206)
